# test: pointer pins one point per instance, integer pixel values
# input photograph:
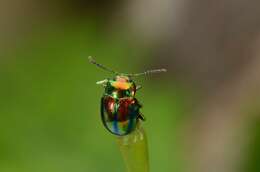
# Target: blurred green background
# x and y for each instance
(49, 105)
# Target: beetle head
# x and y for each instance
(123, 86)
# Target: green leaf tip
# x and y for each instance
(134, 149)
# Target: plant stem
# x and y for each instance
(134, 150)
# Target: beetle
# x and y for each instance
(120, 110)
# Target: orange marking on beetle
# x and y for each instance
(121, 85)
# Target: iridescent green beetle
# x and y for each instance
(120, 110)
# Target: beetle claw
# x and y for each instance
(138, 87)
(141, 116)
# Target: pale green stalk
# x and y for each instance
(135, 150)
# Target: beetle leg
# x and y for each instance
(103, 82)
(138, 103)
(138, 87)
(141, 116)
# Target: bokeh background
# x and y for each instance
(202, 115)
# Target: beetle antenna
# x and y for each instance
(91, 60)
(147, 72)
